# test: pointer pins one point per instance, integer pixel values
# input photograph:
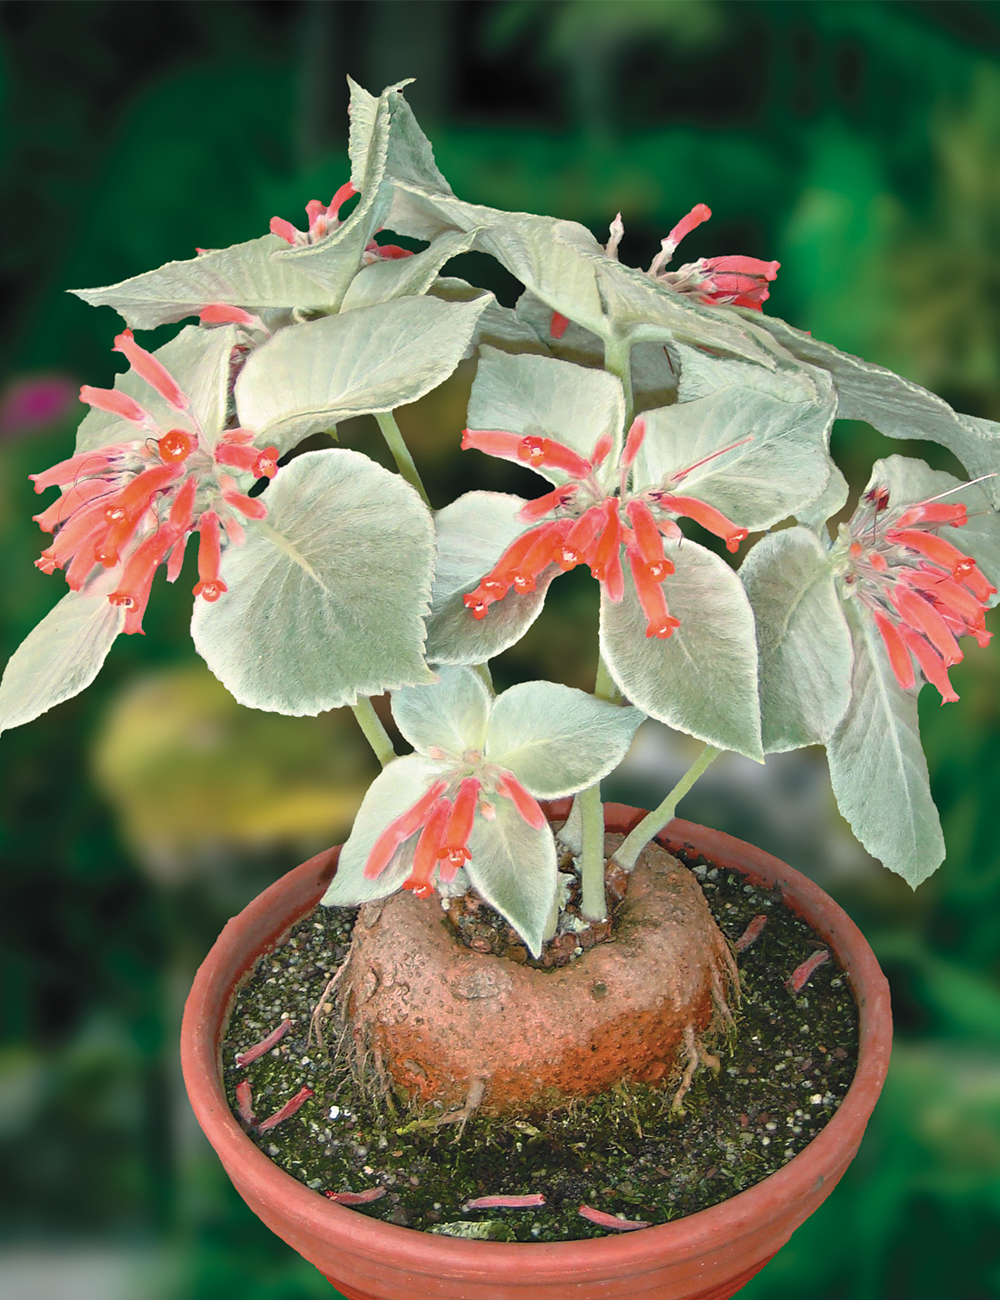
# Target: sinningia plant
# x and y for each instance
(642, 398)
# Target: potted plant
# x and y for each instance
(643, 399)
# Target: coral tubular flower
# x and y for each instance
(154, 372)
(131, 505)
(400, 830)
(920, 589)
(733, 280)
(323, 218)
(511, 788)
(531, 450)
(428, 850)
(558, 325)
(221, 313)
(710, 518)
(454, 850)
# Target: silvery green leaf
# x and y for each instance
(802, 637)
(472, 533)
(704, 372)
(513, 866)
(397, 787)
(557, 740)
(910, 480)
(198, 358)
(310, 376)
(828, 503)
(410, 157)
(326, 596)
(639, 309)
(449, 714)
(546, 398)
(757, 458)
(59, 658)
(703, 679)
(399, 277)
(877, 764)
(896, 406)
(246, 275)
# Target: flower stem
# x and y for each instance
(617, 360)
(592, 901)
(375, 733)
(401, 453)
(654, 822)
(604, 684)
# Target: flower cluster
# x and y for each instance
(724, 281)
(922, 591)
(445, 824)
(131, 505)
(324, 219)
(591, 524)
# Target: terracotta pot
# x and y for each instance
(705, 1256)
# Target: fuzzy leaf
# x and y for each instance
(472, 533)
(783, 466)
(246, 275)
(896, 406)
(830, 501)
(803, 640)
(450, 714)
(547, 398)
(59, 658)
(326, 597)
(398, 277)
(397, 787)
(513, 866)
(703, 679)
(877, 764)
(198, 358)
(557, 740)
(310, 376)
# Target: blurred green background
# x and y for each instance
(857, 143)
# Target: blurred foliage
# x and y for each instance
(857, 143)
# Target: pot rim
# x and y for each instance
(228, 961)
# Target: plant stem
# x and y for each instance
(617, 359)
(604, 684)
(654, 822)
(401, 453)
(592, 901)
(375, 733)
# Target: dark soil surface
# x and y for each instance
(627, 1153)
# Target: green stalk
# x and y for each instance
(401, 453)
(375, 733)
(592, 901)
(617, 360)
(604, 684)
(654, 822)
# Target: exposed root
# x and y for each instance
(473, 1099)
(691, 1047)
(697, 1054)
(323, 1007)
